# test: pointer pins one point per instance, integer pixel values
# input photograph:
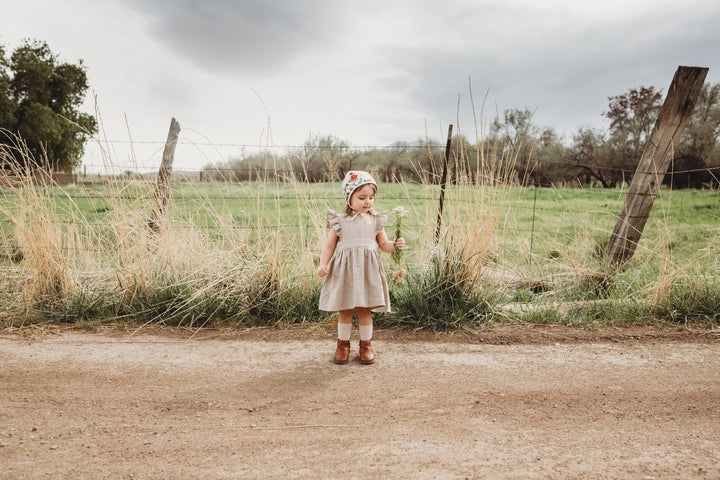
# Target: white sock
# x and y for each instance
(344, 330)
(366, 332)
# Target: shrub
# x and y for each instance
(441, 296)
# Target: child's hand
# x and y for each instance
(323, 270)
(399, 243)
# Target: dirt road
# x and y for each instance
(269, 404)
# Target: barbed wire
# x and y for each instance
(339, 147)
(186, 198)
(300, 171)
(184, 225)
(399, 146)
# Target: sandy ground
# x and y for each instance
(517, 402)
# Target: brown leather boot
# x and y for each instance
(342, 352)
(366, 352)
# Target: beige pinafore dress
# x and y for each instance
(356, 277)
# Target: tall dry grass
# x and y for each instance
(45, 278)
(452, 287)
(72, 269)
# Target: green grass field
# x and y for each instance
(246, 254)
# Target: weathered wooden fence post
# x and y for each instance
(158, 216)
(674, 115)
(443, 182)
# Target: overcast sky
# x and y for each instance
(371, 72)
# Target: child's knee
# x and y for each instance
(364, 315)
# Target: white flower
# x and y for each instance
(400, 212)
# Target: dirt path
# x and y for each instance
(272, 405)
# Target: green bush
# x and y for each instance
(690, 300)
(441, 296)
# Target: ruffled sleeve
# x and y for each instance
(381, 220)
(333, 221)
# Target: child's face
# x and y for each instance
(362, 199)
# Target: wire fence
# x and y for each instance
(281, 172)
(465, 151)
(547, 217)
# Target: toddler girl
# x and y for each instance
(355, 280)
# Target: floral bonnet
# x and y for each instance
(354, 180)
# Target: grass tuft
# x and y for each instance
(690, 300)
(443, 296)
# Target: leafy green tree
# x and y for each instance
(39, 101)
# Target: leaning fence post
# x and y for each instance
(443, 181)
(158, 215)
(674, 115)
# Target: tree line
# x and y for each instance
(513, 148)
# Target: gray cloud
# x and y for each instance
(566, 70)
(562, 63)
(251, 36)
